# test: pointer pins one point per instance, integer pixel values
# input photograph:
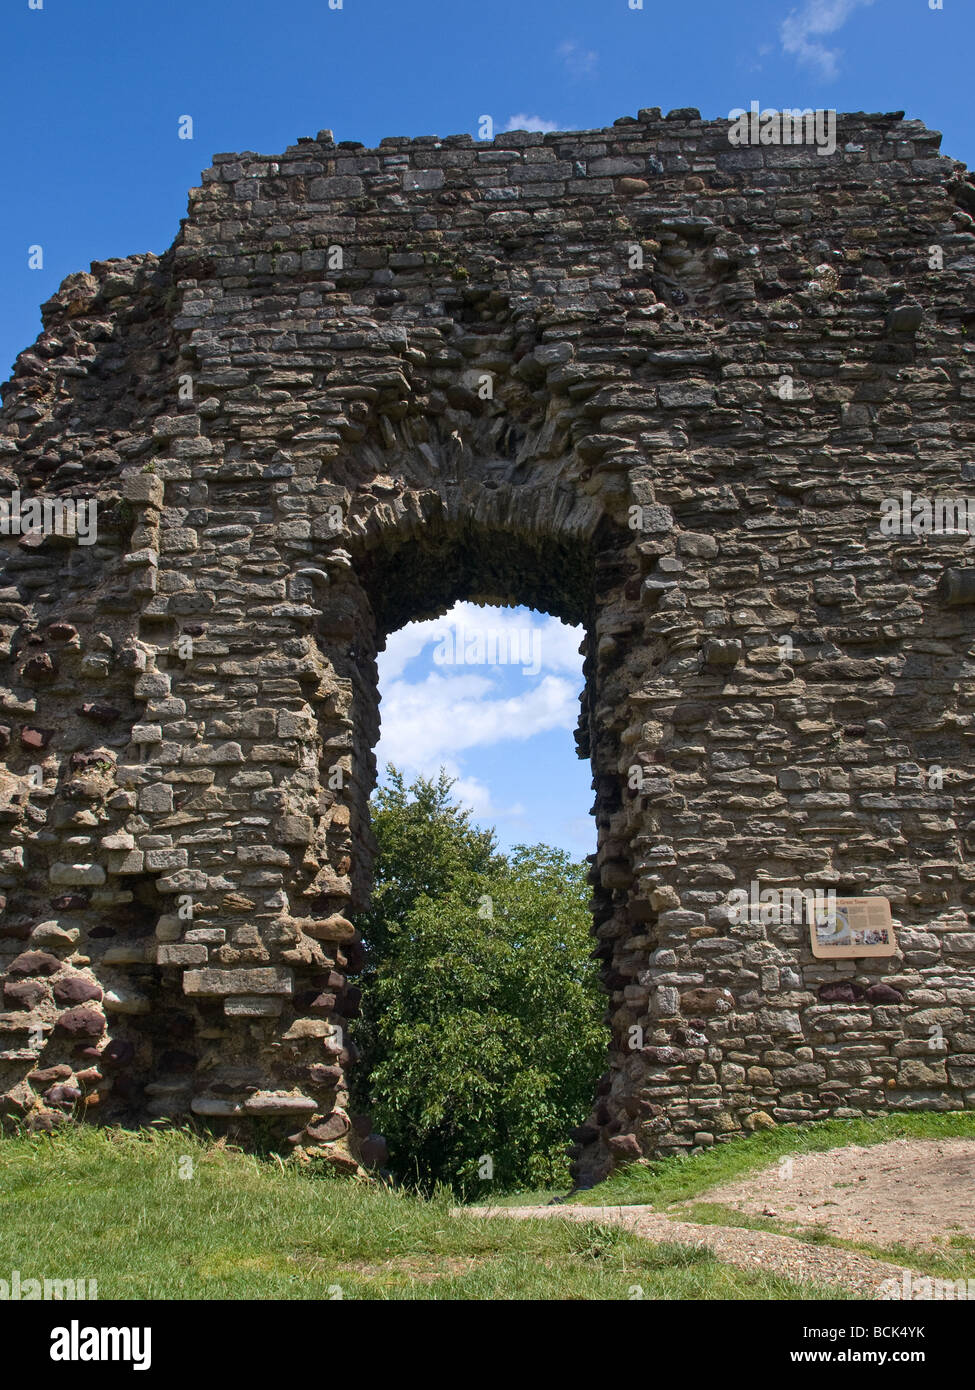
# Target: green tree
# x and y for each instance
(484, 1033)
(425, 839)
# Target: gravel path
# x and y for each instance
(917, 1192)
(794, 1259)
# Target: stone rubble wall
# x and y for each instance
(285, 422)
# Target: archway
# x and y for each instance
(482, 1034)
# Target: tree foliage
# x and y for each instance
(483, 1035)
(424, 840)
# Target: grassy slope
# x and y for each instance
(112, 1206)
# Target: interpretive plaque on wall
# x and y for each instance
(843, 927)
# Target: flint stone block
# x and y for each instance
(260, 980)
(183, 881)
(76, 875)
(34, 963)
(82, 1022)
(179, 953)
(76, 989)
(252, 1006)
(156, 799)
(268, 1103)
(213, 1105)
(336, 1126)
(127, 862)
(166, 859)
(24, 994)
(143, 489)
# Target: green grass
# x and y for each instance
(110, 1205)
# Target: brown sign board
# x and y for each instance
(843, 927)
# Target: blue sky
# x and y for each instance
(492, 695)
(91, 96)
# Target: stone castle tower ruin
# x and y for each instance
(642, 378)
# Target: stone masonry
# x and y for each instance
(640, 378)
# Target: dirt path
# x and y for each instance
(908, 1191)
(793, 1259)
(914, 1192)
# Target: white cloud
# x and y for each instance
(451, 707)
(535, 123)
(408, 643)
(425, 724)
(802, 31)
(578, 61)
(472, 792)
(555, 643)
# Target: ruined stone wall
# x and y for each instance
(706, 366)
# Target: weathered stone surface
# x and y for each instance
(625, 1146)
(76, 989)
(328, 1130)
(335, 928)
(43, 1121)
(882, 993)
(216, 1107)
(181, 954)
(44, 1076)
(706, 1001)
(267, 1103)
(82, 1022)
(72, 875)
(100, 713)
(62, 1095)
(343, 1163)
(273, 980)
(374, 1151)
(687, 453)
(24, 994)
(34, 963)
(252, 1006)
